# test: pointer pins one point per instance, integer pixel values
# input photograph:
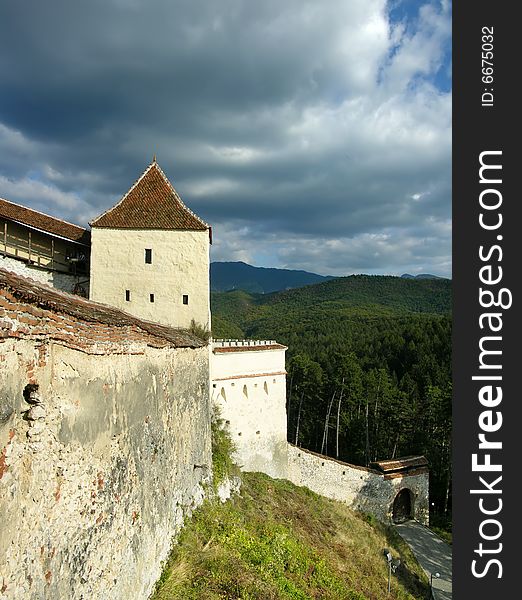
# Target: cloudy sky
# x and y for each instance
(310, 134)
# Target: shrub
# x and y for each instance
(200, 331)
(223, 448)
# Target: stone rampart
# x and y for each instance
(248, 383)
(363, 489)
(104, 445)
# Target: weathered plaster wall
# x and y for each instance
(180, 266)
(61, 281)
(362, 489)
(248, 383)
(99, 464)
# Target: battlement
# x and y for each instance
(235, 345)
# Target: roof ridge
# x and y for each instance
(178, 197)
(42, 213)
(155, 164)
(124, 196)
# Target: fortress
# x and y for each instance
(106, 398)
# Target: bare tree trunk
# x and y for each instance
(338, 419)
(298, 419)
(288, 408)
(395, 446)
(324, 445)
(376, 422)
(367, 452)
(446, 495)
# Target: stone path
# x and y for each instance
(433, 554)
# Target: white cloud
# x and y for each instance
(38, 191)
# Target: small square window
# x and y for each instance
(148, 256)
(185, 298)
(127, 295)
(151, 297)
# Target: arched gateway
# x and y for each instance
(402, 506)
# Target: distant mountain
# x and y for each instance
(421, 276)
(227, 276)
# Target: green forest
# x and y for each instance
(369, 367)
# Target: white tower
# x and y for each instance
(150, 255)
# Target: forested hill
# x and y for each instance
(376, 291)
(242, 314)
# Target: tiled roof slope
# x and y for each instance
(399, 464)
(151, 203)
(79, 319)
(32, 218)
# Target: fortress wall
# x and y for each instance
(360, 488)
(248, 383)
(61, 281)
(99, 471)
(249, 386)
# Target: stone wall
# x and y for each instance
(61, 281)
(248, 383)
(104, 446)
(360, 488)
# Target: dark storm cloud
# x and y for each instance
(280, 123)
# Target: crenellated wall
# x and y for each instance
(104, 447)
(367, 490)
(105, 442)
(249, 384)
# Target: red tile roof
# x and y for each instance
(151, 203)
(52, 225)
(75, 315)
(400, 464)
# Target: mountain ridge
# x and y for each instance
(237, 275)
(229, 275)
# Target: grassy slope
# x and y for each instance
(279, 541)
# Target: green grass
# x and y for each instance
(279, 541)
(222, 450)
(199, 331)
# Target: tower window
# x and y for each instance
(148, 256)
(127, 295)
(151, 297)
(185, 298)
